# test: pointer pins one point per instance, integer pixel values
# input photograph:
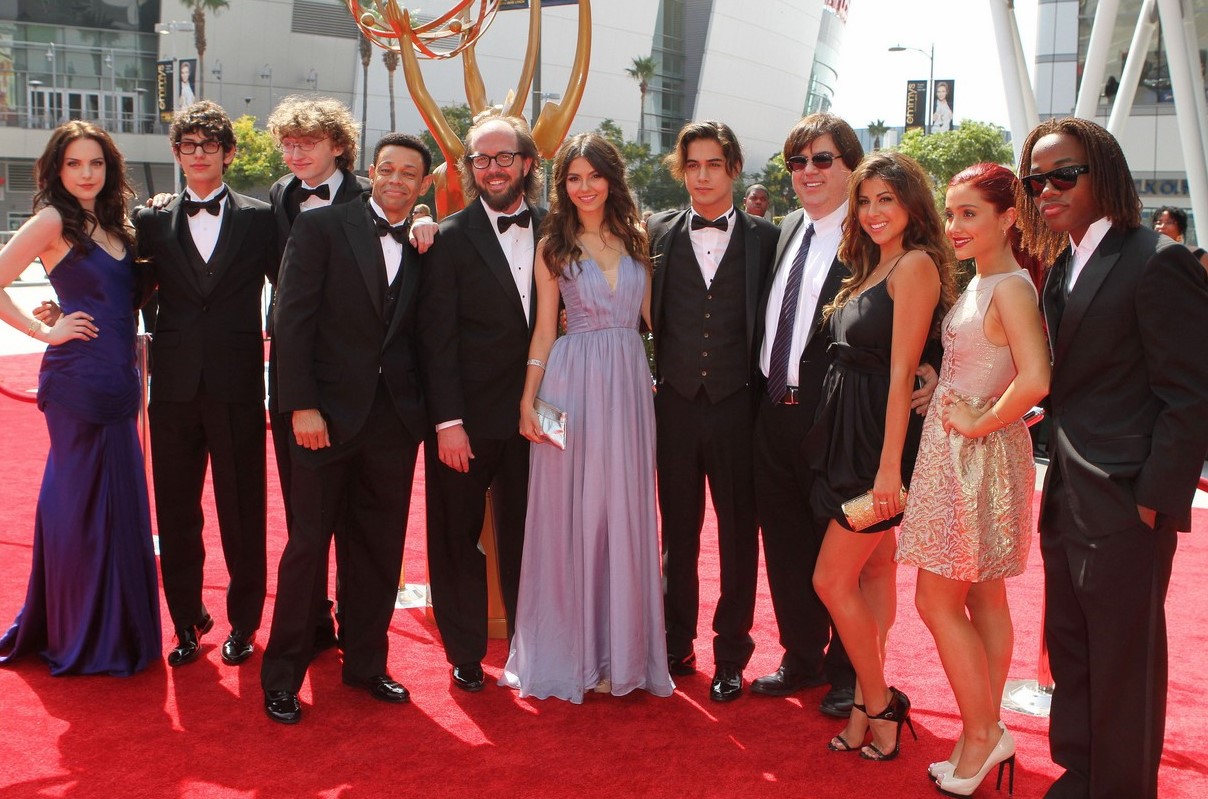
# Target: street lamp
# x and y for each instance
(217, 73)
(897, 48)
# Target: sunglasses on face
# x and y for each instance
(209, 146)
(796, 163)
(1063, 179)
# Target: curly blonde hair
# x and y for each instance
(324, 117)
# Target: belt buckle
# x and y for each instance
(790, 396)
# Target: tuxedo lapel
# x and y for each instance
(408, 285)
(789, 230)
(178, 225)
(366, 252)
(230, 239)
(751, 251)
(484, 240)
(1100, 265)
(1053, 297)
(830, 287)
(662, 261)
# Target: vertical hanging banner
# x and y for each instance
(187, 68)
(165, 90)
(941, 105)
(916, 104)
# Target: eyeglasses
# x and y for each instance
(209, 146)
(1063, 179)
(303, 146)
(504, 159)
(796, 163)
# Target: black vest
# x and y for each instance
(391, 292)
(702, 341)
(201, 268)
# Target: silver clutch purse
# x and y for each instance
(861, 511)
(553, 422)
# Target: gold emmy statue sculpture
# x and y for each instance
(389, 26)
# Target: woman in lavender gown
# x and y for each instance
(590, 615)
(92, 605)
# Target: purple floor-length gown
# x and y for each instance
(590, 606)
(92, 606)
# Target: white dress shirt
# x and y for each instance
(828, 233)
(1084, 249)
(333, 184)
(709, 244)
(517, 245)
(204, 227)
(392, 251)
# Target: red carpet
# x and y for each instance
(200, 732)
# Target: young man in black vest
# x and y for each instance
(210, 251)
(709, 264)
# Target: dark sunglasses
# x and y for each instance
(796, 163)
(1063, 179)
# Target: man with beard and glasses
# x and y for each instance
(476, 314)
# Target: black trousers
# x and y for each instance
(699, 440)
(367, 483)
(229, 436)
(792, 538)
(1105, 627)
(456, 567)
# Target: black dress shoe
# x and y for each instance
(382, 688)
(786, 681)
(682, 666)
(188, 642)
(838, 701)
(283, 706)
(727, 684)
(469, 677)
(237, 647)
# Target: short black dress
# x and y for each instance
(845, 442)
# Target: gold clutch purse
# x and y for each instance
(861, 511)
(553, 422)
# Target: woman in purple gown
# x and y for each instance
(92, 606)
(590, 612)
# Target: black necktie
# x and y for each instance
(782, 344)
(522, 219)
(322, 192)
(384, 228)
(214, 205)
(699, 222)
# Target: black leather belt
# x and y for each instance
(790, 397)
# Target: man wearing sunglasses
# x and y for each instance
(476, 312)
(210, 251)
(709, 263)
(1126, 311)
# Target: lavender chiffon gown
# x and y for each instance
(590, 610)
(92, 605)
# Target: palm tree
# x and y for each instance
(642, 71)
(876, 130)
(366, 59)
(391, 60)
(200, 7)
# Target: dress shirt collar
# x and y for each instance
(192, 195)
(828, 223)
(493, 217)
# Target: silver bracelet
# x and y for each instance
(33, 327)
(536, 362)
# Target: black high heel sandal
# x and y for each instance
(898, 712)
(843, 745)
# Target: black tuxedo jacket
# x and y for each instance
(351, 188)
(333, 341)
(759, 243)
(473, 330)
(1129, 392)
(215, 335)
(815, 358)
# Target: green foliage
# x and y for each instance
(649, 180)
(945, 154)
(257, 160)
(459, 118)
(877, 130)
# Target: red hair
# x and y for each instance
(997, 185)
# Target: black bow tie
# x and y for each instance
(323, 192)
(384, 228)
(699, 222)
(522, 219)
(214, 205)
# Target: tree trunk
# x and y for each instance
(199, 39)
(390, 88)
(364, 109)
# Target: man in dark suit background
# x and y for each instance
(709, 265)
(348, 374)
(821, 151)
(210, 250)
(1126, 312)
(476, 315)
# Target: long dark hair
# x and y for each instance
(561, 227)
(111, 203)
(998, 186)
(924, 230)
